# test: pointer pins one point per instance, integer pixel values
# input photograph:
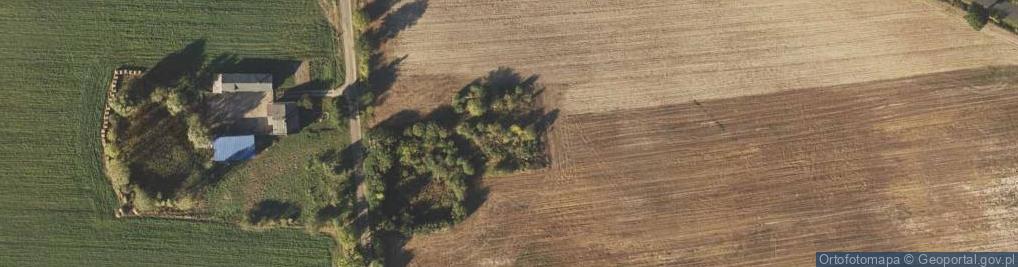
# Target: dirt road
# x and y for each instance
(349, 78)
(339, 13)
(340, 16)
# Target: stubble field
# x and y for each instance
(609, 55)
(709, 133)
(927, 163)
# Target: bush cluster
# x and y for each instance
(499, 122)
(418, 175)
(977, 16)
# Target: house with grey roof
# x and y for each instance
(242, 82)
(247, 99)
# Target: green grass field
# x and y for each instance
(55, 64)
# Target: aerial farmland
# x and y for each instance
(504, 133)
(691, 132)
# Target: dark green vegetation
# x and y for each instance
(153, 169)
(498, 118)
(56, 205)
(977, 15)
(422, 174)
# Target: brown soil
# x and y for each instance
(924, 163)
(613, 55)
(728, 132)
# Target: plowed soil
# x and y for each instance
(729, 133)
(926, 163)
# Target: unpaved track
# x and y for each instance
(928, 163)
(349, 55)
(609, 55)
(339, 14)
(340, 17)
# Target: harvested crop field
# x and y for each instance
(728, 133)
(923, 163)
(610, 55)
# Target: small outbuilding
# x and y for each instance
(283, 118)
(233, 148)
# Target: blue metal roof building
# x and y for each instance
(233, 148)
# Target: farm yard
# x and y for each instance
(57, 59)
(692, 132)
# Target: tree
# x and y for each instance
(174, 103)
(378, 161)
(198, 133)
(977, 16)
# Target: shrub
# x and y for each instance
(378, 161)
(120, 105)
(198, 132)
(141, 200)
(174, 103)
(119, 174)
(977, 16)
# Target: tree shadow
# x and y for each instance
(272, 210)
(217, 172)
(374, 10)
(328, 213)
(160, 162)
(399, 121)
(184, 63)
(380, 80)
(312, 87)
(383, 71)
(477, 194)
(398, 20)
(393, 246)
(343, 160)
